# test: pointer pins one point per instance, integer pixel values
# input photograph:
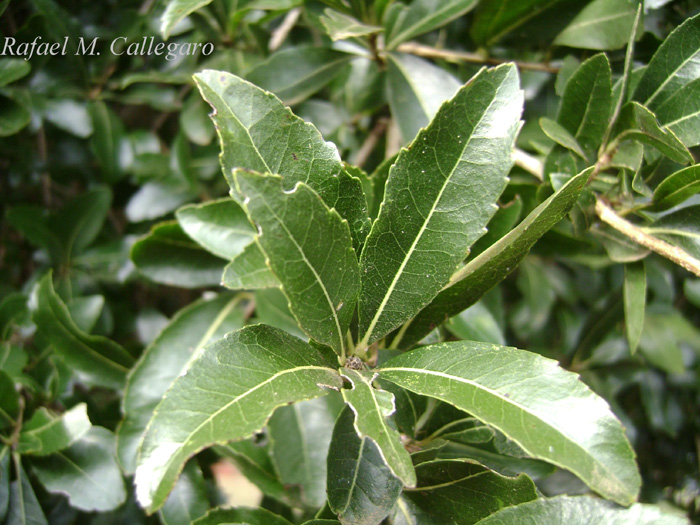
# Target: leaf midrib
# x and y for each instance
(334, 314)
(424, 226)
(209, 419)
(508, 400)
(422, 22)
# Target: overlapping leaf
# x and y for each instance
(547, 411)
(372, 408)
(46, 433)
(99, 360)
(252, 125)
(496, 18)
(163, 360)
(220, 226)
(675, 64)
(466, 491)
(227, 393)
(493, 265)
(309, 249)
(167, 255)
(403, 22)
(440, 194)
(416, 89)
(361, 487)
(249, 271)
(582, 511)
(87, 472)
(602, 24)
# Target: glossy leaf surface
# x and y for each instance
(372, 408)
(251, 123)
(361, 487)
(309, 249)
(220, 398)
(581, 511)
(99, 360)
(494, 264)
(545, 410)
(87, 472)
(440, 194)
(221, 226)
(163, 360)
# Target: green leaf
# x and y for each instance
(158, 198)
(561, 136)
(23, 508)
(676, 188)
(108, 141)
(587, 103)
(9, 400)
(547, 411)
(167, 255)
(299, 437)
(496, 18)
(489, 268)
(87, 472)
(188, 500)
(372, 408)
(12, 69)
(13, 116)
(638, 123)
(681, 113)
(674, 65)
(96, 359)
(341, 27)
(220, 226)
(582, 511)
(221, 398)
(663, 335)
(249, 271)
(602, 24)
(46, 433)
(251, 140)
(416, 89)
(402, 22)
(635, 293)
(86, 311)
(361, 487)
(309, 249)
(195, 122)
(162, 361)
(176, 11)
(32, 222)
(70, 116)
(477, 323)
(80, 220)
(241, 515)
(297, 73)
(440, 194)
(465, 490)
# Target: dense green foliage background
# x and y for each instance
(118, 231)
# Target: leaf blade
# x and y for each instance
(321, 284)
(390, 274)
(372, 407)
(521, 394)
(190, 418)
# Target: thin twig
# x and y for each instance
(414, 48)
(371, 142)
(279, 35)
(673, 253)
